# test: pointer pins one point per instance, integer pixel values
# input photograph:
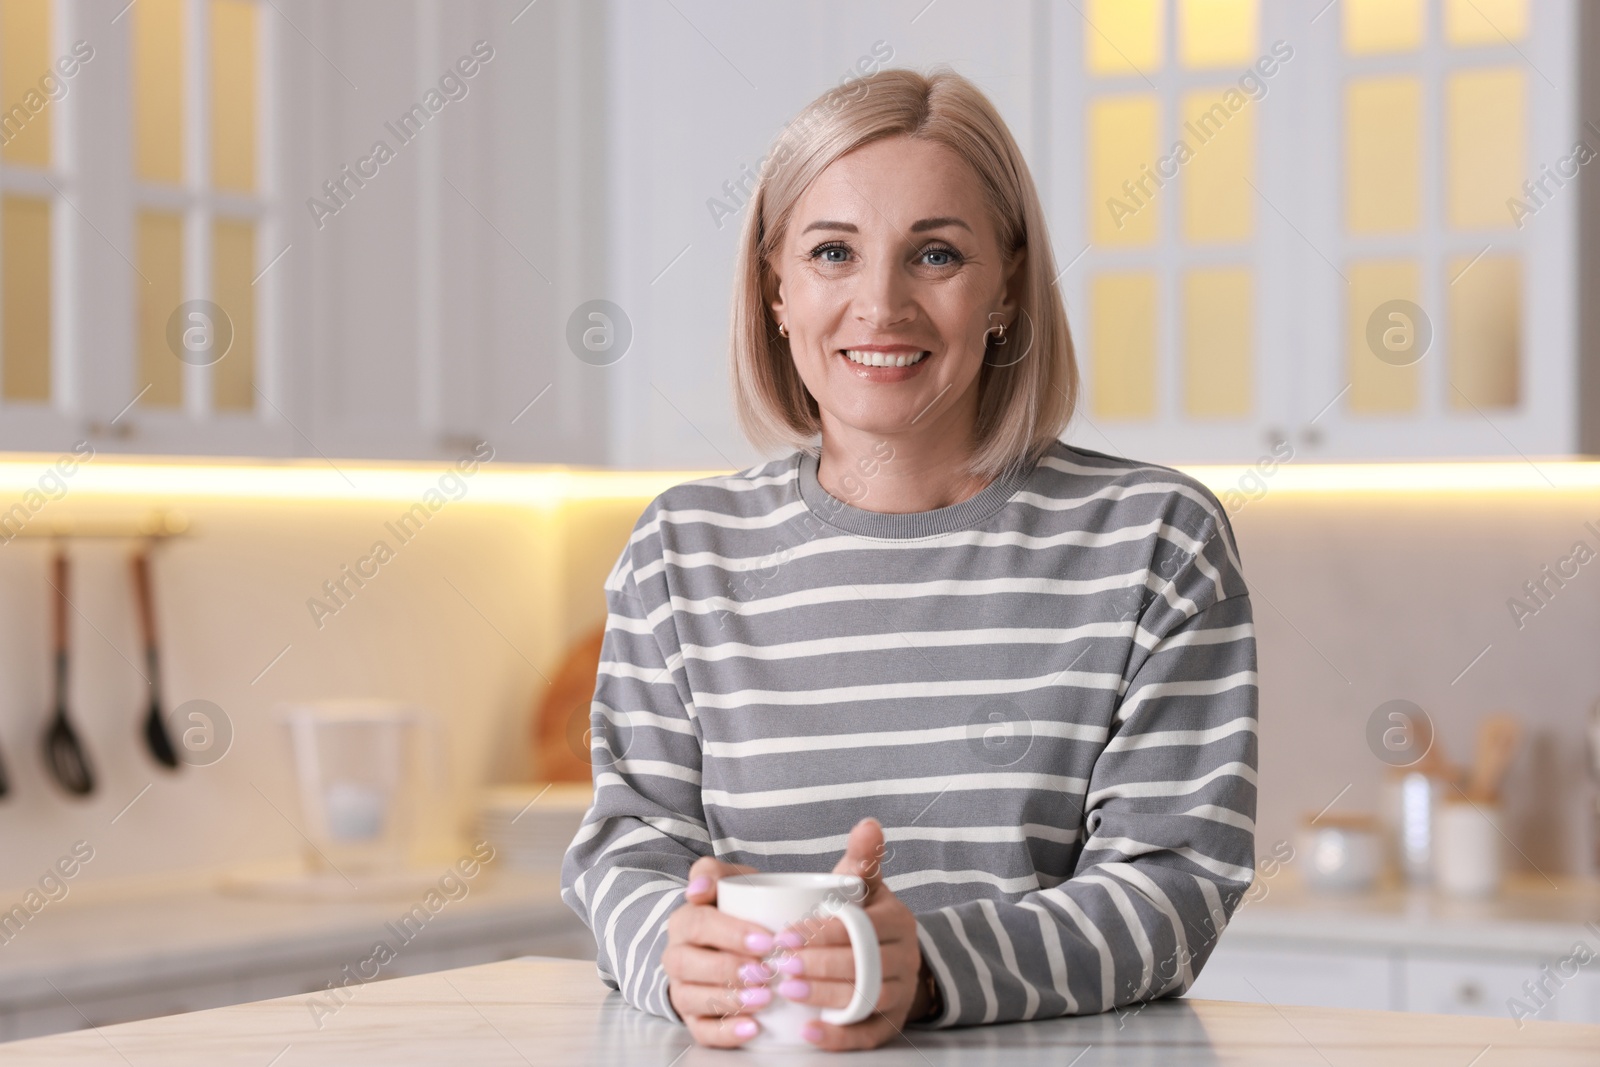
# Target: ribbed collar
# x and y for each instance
(962, 516)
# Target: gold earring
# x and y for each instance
(783, 329)
(997, 331)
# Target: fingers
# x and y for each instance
(703, 876)
(729, 1032)
(704, 925)
(692, 963)
(871, 1032)
(695, 999)
(863, 854)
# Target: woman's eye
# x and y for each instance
(933, 257)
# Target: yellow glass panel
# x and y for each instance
(1373, 26)
(233, 94)
(1217, 33)
(160, 260)
(1124, 143)
(1485, 151)
(1122, 345)
(1470, 22)
(1383, 155)
(1218, 203)
(25, 298)
(1218, 351)
(27, 82)
(1123, 36)
(233, 265)
(158, 89)
(1485, 330)
(1378, 387)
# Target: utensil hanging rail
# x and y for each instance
(158, 524)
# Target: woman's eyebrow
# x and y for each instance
(826, 224)
(916, 227)
(936, 223)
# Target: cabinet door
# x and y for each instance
(1441, 322)
(1176, 271)
(1304, 977)
(1579, 1002)
(1318, 228)
(1446, 985)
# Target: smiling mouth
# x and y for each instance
(883, 359)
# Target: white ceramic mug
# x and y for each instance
(775, 901)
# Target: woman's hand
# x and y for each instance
(826, 970)
(715, 977)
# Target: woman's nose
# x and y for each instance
(883, 299)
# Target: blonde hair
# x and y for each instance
(1023, 403)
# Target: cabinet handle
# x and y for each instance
(1469, 992)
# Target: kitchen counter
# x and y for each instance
(1520, 953)
(115, 957)
(1529, 917)
(544, 1011)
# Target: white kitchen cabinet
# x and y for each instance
(1463, 985)
(1309, 976)
(209, 988)
(420, 317)
(1579, 1001)
(1397, 979)
(203, 949)
(1315, 259)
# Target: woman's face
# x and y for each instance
(891, 259)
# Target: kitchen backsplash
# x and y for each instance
(1359, 598)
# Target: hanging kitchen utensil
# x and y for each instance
(155, 727)
(64, 754)
(1498, 735)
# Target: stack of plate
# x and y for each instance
(530, 826)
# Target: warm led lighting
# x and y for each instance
(144, 478)
(175, 479)
(1536, 475)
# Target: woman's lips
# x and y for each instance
(887, 372)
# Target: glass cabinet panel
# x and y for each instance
(25, 299)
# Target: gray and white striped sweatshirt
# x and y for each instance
(1045, 693)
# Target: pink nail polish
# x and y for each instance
(698, 886)
(755, 997)
(760, 944)
(791, 965)
(794, 989)
(791, 939)
(745, 1028)
(812, 1032)
(754, 974)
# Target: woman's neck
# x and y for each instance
(897, 474)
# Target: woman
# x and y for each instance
(1009, 682)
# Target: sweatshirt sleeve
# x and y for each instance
(1169, 821)
(626, 868)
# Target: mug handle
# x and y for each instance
(869, 968)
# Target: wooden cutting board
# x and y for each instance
(560, 732)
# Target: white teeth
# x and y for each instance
(881, 359)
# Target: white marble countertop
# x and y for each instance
(107, 943)
(538, 1011)
(1530, 917)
